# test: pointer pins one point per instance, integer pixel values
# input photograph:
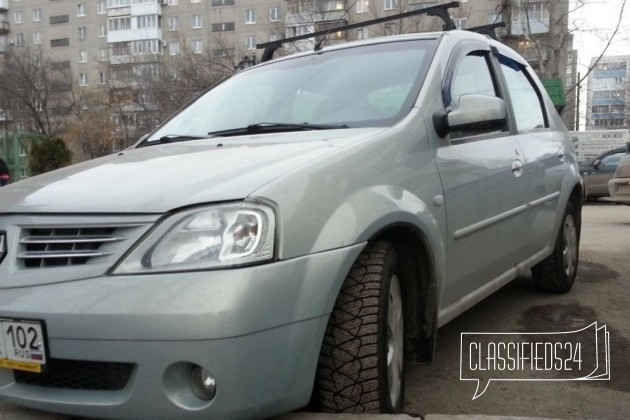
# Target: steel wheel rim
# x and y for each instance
(569, 250)
(395, 334)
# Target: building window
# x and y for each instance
(250, 42)
(363, 6)
(59, 42)
(147, 21)
(81, 9)
(274, 14)
(83, 79)
(55, 20)
(362, 33)
(390, 28)
(102, 30)
(223, 2)
(119, 24)
(172, 2)
(197, 46)
(250, 16)
(173, 23)
(173, 48)
(391, 4)
(461, 23)
(82, 32)
(17, 17)
(37, 38)
(148, 46)
(102, 78)
(494, 18)
(195, 1)
(37, 15)
(223, 27)
(223, 52)
(101, 7)
(118, 3)
(19, 39)
(83, 56)
(102, 54)
(196, 22)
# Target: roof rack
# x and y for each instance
(440, 10)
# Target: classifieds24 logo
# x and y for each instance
(580, 355)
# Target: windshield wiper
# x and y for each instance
(274, 128)
(172, 138)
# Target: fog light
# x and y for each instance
(203, 385)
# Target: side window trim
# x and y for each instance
(526, 72)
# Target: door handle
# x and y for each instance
(517, 167)
(561, 154)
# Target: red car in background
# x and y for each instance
(5, 175)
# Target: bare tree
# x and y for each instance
(34, 89)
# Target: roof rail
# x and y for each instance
(440, 10)
(488, 29)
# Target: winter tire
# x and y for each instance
(557, 272)
(361, 362)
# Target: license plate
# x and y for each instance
(22, 345)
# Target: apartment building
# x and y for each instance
(608, 94)
(116, 44)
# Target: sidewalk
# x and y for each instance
(323, 416)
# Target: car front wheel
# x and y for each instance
(361, 363)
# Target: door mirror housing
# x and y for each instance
(475, 114)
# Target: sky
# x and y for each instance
(598, 19)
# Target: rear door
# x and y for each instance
(544, 155)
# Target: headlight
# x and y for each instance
(208, 237)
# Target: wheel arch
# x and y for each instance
(419, 288)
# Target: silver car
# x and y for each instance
(619, 185)
(295, 234)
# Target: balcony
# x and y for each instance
(4, 27)
(4, 6)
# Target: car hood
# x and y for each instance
(159, 178)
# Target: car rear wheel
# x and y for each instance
(557, 272)
(361, 362)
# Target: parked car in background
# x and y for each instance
(296, 233)
(596, 172)
(5, 175)
(619, 186)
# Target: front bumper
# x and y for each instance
(619, 189)
(256, 330)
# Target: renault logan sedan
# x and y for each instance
(295, 234)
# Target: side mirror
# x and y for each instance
(475, 114)
(597, 164)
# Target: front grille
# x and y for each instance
(66, 246)
(78, 374)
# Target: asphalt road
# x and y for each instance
(601, 293)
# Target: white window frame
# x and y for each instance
(197, 46)
(102, 77)
(82, 33)
(391, 4)
(83, 56)
(174, 48)
(83, 79)
(18, 17)
(173, 23)
(102, 30)
(363, 6)
(275, 14)
(37, 38)
(101, 7)
(250, 43)
(196, 22)
(81, 10)
(37, 15)
(103, 54)
(250, 16)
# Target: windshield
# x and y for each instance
(362, 86)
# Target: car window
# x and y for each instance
(526, 100)
(472, 77)
(612, 159)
